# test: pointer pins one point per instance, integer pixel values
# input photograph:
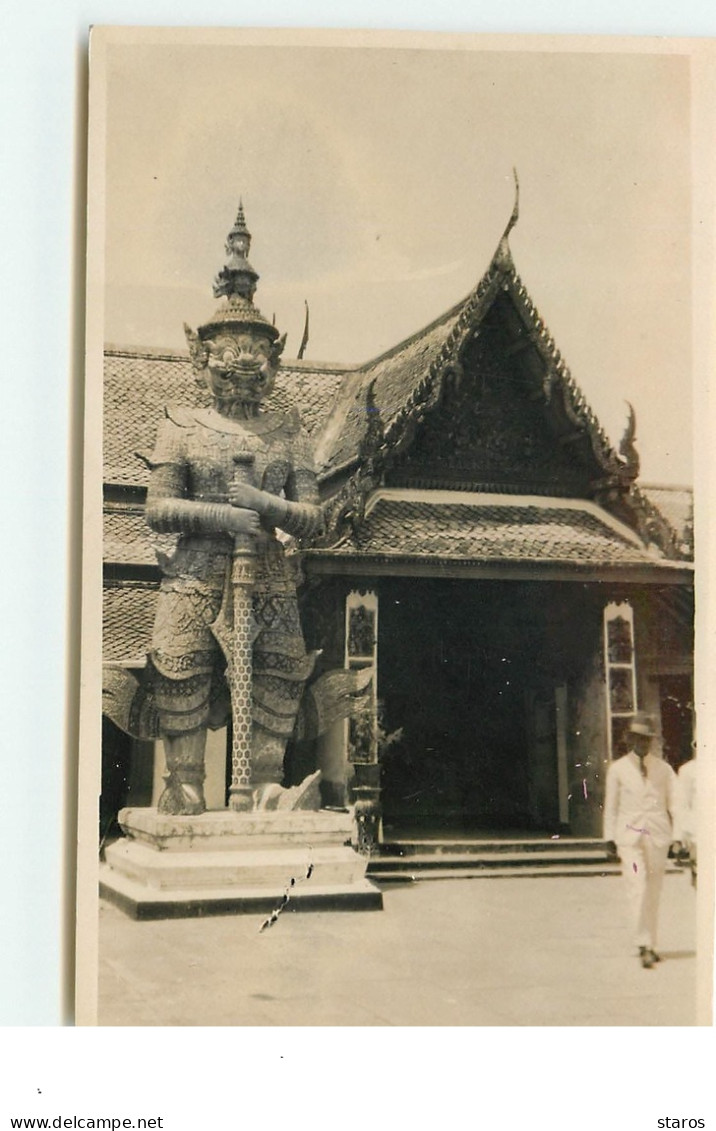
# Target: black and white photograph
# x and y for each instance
(390, 710)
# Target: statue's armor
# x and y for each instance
(192, 467)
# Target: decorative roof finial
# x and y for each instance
(516, 207)
(304, 339)
(502, 255)
(628, 455)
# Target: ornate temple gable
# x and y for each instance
(505, 410)
(481, 399)
(490, 432)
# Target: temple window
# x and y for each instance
(620, 674)
(361, 651)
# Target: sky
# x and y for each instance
(376, 184)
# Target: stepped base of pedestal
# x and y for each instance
(233, 863)
(141, 902)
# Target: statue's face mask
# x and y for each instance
(240, 368)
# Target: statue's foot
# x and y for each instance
(182, 799)
(305, 796)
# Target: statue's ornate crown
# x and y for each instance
(236, 283)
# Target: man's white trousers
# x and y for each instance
(643, 867)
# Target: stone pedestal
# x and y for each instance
(224, 862)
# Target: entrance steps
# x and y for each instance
(405, 861)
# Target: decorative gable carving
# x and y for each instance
(490, 431)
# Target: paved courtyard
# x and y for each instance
(516, 951)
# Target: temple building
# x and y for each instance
(488, 558)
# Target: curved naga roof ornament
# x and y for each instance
(628, 454)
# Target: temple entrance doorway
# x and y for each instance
(467, 674)
(677, 723)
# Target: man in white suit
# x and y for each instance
(640, 809)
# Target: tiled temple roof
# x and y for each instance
(404, 525)
(138, 383)
(395, 376)
(504, 531)
(128, 540)
(359, 417)
(333, 399)
(127, 619)
(676, 504)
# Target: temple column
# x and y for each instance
(361, 730)
(331, 760)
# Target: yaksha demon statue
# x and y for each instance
(226, 478)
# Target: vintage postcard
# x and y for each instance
(394, 700)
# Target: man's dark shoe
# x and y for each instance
(647, 957)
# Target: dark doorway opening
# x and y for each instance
(675, 697)
(467, 670)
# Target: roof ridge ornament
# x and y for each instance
(304, 339)
(628, 455)
(503, 256)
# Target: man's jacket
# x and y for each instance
(636, 806)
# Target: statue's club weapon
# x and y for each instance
(234, 634)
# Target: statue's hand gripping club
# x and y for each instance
(294, 518)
